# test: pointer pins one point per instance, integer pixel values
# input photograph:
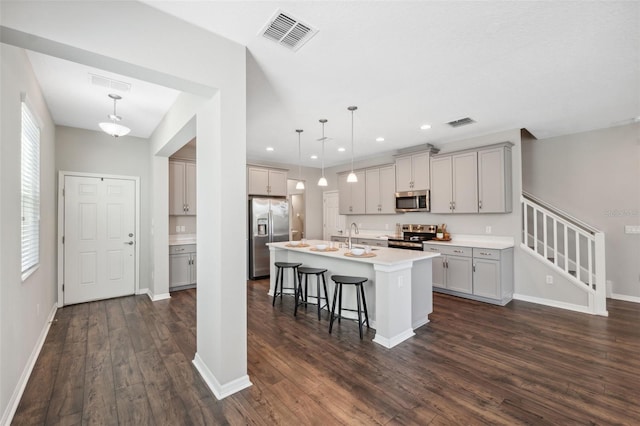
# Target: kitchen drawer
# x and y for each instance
(373, 242)
(449, 250)
(183, 248)
(483, 253)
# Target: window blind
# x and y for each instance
(30, 185)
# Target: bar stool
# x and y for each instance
(281, 267)
(318, 272)
(341, 280)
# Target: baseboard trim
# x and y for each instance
(553, 303)
(12, 406)
(220, 391)
(395, 340)
(154, 297)
(634, 299)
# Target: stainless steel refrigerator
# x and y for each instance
(268, 223)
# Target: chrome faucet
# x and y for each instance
(352, 226)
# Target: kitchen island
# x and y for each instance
(398, 290)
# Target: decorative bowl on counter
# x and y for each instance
(321, 247)
(357, 251)
(294, 243)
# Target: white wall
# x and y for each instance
(25, 306)
(210, 70)
(79, 150)
(594, 176)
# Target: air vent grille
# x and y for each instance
(287, 31)
(461, 122)
(109, 83)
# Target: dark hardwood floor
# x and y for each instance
(128, 361)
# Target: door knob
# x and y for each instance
(129, 242)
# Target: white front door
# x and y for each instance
(333, 222)
(99, 238)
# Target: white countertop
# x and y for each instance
(179, 239)
(383, 255)
(477, 241)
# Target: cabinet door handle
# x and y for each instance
(178, 249)
(485, 253)
(474, 267)
(458, 251)
(480, 204)
(433, 249)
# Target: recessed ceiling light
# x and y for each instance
(269, 148)
(425, 127)
(380, 139)
(341, 149)
(314, 157)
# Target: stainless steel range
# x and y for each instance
(412, 236)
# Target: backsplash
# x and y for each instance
(186, 224)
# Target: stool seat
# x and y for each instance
(344, 279)
(318, 272)
(312, 271)
(358, 282)
(281, 267)
(287, 264)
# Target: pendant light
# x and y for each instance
(323, 180)
(112, 128)
(300, 184)
(352, 178)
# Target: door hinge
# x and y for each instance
(62, 287)
(63, 192)
(63, 239)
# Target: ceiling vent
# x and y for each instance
(461, 122)
(109, 83)
(287, 31)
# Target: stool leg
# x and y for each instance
(326, 293)
(318, 295)
(333, 307)
(364, 303)
(275, 290)
(296, 292)
(340, 305)
(359, 312)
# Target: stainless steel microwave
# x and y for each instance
(412, 201)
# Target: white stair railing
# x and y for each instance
(570, 246)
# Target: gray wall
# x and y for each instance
(594, 176)
(79, 150)
(25, 306)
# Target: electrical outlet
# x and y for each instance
(182, 228)
(632, 229)
(549, 279)
(400, 281)
(487, 229)
(177, 228)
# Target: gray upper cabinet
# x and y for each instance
(454, 186)
(265, 181)
(182, 188)
(352, 195)
(472, 181)
(380, 186)
(412, 172)
(494, 180)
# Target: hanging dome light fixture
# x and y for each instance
(112, 127)
(300, 184)
(352, 178)
(323, 180)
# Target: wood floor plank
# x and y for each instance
(129, 361)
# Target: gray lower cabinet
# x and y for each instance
(182, 265)
(453, 269)
(373, 242)
(475, 273)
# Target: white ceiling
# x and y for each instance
(552, 67)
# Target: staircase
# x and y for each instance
(571, 247)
